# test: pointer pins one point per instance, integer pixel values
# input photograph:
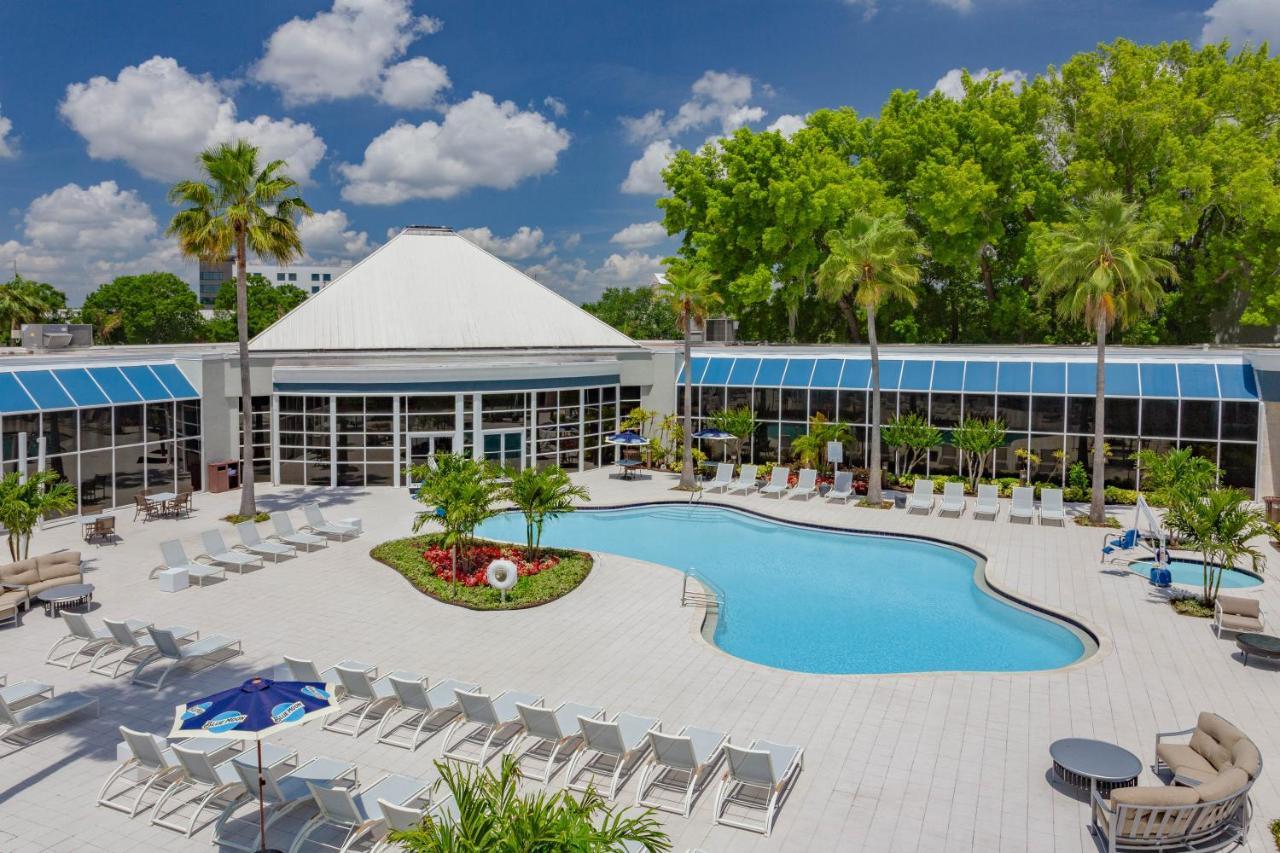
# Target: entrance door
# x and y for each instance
(423, 446)
(506, 448)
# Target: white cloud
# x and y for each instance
(787, 124)
(8, 144)
(869, 7)
(341, 53)
(328, 237)
(479, 143)
(525, 242)
(1242, 22)
(719, 98)
(639, 235)
(157, 117)
(961, 6)
(77, 237)
(578, 281)
(951, 84)
(645, 175)
(414, 84)
(558, 107)
(572, 241)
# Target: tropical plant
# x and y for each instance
(232, 209)
(24, 502)
(687, 288)
(636, 312)
(1219, 524)
(739, 422)
(1029, 459)
(1103, 265)
(977, 439)
(463, 493)
(911, 437)
(494, 817)
(25, 301)
(811, 448)
(874, 259)
(540, 494)
(1176, 473)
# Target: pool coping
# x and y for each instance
(1096, 645)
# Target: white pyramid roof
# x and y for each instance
(429, 288)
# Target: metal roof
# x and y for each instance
(431, 289)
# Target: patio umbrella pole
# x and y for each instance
(262, 808)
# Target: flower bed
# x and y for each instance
(429, 567)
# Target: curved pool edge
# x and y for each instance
(1096, 644)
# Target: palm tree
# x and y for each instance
(464, 494)
(233, 208)
(687, 290)
(541, 494)
(874, 259)
(1219, 524)
(1104, 266)
(811, 448)
(24, 500)
(25, 301)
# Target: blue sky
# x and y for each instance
(535, 122)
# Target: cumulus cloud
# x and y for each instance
(157, 117)
(8, 144)
(787, 124)
(645, 175)
(479, 143)
(951, 84)
(329, 238)
(342, 53)
(718, 98)
(414, 84)
(558, 108)
(525, 242)
(1242, 22)
(639, 235)
(575, 279)
(572, 241)
(957, 5)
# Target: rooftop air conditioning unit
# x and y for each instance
(41, 337)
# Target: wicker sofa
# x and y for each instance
(1205, 807)
(21, 581)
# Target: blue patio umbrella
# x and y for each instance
(627, 438)
(255, 710)
(713, 434)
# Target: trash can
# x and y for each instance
(218, 475)
(1273, 508)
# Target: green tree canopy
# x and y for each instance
(151, 308)
(267, 303)
(637, 312)
(23, 300)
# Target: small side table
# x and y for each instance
(1262, 645)
(58, 598)
(173, 580)
(1094, 765)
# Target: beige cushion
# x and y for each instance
(1215, 753)
(41, 586)
(1180, 755)
(23, 571)
(64, 564)
(1155, 795)
(1245, 755)
(1218, 729)
(12, 598)
(1196, 775)
(1227, 783)
(1240, 606)
(1240, 623)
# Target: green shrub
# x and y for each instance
(765, 471)
(1117, 495)
(236, 518)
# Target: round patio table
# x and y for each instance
(68, 595)
(1262, 645)
(1094, 765)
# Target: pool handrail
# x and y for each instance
(711, 596)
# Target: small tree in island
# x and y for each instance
(541, 494)
(977, 439)
(911, 437)
(464, 493)
(1219, 524)
(739, 422)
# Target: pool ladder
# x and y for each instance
(709, 596)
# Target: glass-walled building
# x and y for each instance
(1208, 403)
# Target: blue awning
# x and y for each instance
(151, 389)
(798, 373)
(744, 371)
(12, 396)
(1121, 379)
(1015, 377)
(1198, 381)
(1048, 377)
(890, 374)
(916, 376)
(948, 376)
(770, 374)
(176, 381)
(979, 377)
(699, 367)
(1237, 382)
(44, 389)
(717, 372)
(1159, 380)
(112, 381)
(826, 374)
(82, 387)
(857, 374)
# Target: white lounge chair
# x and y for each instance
(17, 722)
(429, 710)
(151, 763)
(363, 695)
(806, 484)
(611, 749)
(777, 484)
(921, 496)
(281, 794)
(1051, 508)
(552, 732)
(683, 762)
(301, 669)
(212, 650)
(493, 722)
(723, 478)
(216, 550)
(746, 480)
(359, 814)
(403, 818)
(1023, 506)
(842, 488)
(952, 498)
(24, 693)
(317, 524)
(988, 502)
(759, 776)
(253, 542)
(285, 533)
(173, 556)
(133, 645)
(88, 640)
(209, 783)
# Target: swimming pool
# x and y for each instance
(1191, 573)
(824, 601)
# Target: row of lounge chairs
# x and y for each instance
(119, 644)
(578, 738)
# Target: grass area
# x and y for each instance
(405, 556)
(1111, 522)
(1192, 606)
(236, 518)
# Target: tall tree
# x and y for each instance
(150, 308)
(637, 312)
(235, 207)
(1103, 265)
(874, 259)
(25, 301)
(688, 290)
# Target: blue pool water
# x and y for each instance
(1192, 574)
(821, 601)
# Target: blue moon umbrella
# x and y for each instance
(627, 437)
(711, 434)
(255, 710)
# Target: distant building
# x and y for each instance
(721, 330)
(212, 275)
(310, 278)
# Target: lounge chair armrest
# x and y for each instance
(1099, 804)
(7, 585)
(1183, 733)
(209, 561)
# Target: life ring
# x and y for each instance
(501, 575)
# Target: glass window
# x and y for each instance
(1200, 419)
(712, 400)
(317, 475)
(765, 443)
(1119, 469)
(1121, 416)
(350, 475)
(14, 426)
(95, 428)
(1160, 418)
(68, 469)
(944, 410)
(1079, 414)
(570, 398)
(288, 403)
(501, 402)
(188, 418)
(129, 474)
(1238, 463)
(128, 428)
(378, 405)
(789, 433)
(317, 405)
(1014, 410)
(888, 405)
(768, 403)
(160, 460)
(349, 405)
(189, 469)
(981, 406)
(944, 461)
(96, 492)
(1047, 414)
(60, 432)
(159, 421)
(823, 402)
(795, 403)
(917, 402)
(853, 407)
(1207, 449)
(1239, 420)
